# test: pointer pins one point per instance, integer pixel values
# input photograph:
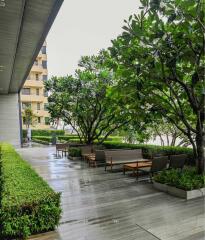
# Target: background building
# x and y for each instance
(33, 94)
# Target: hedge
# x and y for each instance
(28, 204)
(48, 139)
(187, 179)
(68, 137)
(150, 151)
(43, 132)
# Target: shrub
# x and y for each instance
(68, 138)
(42, 132)
(45, 139)
(188, 179)
(150, 151)
(28, 204)
(74, 152)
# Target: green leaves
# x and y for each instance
(84, 100)
(188, 179)
(28, 204)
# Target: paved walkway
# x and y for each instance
(109, 206)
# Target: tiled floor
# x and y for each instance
(99, 205)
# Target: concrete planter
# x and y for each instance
(180, 192)
(74, 158)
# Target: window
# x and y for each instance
(47, 121)
(39, 119)
(38, 106)
(44, 64)
(45, 93)
(26, 91)
(45, 77)
(26, 105)
(46, 106)
(37, 77)
(43, 50)
(36, 63)
(37, 91)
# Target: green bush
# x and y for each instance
(150, 151)
(28, 204)
(188, 179)
(115, 139)
(68, 138)
(42, 132)
(46, 139)
(74, 152)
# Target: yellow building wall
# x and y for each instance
(36, 101)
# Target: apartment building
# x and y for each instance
(33, 94)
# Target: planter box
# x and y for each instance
(74, 158)
(180, 192)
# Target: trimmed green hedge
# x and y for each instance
(48, 139)
(68, 138)
(28, 204)
(43, 132)
(188, 179)
(150, 151)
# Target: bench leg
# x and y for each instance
(124, 170)
(111, 167)
(137, 174)
(105, 167)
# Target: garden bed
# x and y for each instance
(28, 204)
(180, 192)
(185, 184)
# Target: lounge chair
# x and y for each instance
(177, 161)
(86, 151)
(61, 147)
(158, 164)
(97, 158)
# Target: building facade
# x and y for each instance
(33, 94)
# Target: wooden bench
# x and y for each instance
(121, 157)
(97, 158)
(62, 147)
(86, 151)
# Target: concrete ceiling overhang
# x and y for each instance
(24, 25)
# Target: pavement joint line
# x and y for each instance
(148, 232)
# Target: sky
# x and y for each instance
(84, 27)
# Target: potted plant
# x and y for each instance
(74, 153)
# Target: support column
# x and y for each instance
(10, 130)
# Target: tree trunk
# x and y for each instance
(200, 145)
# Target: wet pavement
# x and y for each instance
(99, 205)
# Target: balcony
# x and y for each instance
(34, 83)
(37, 68)
(32, 98)
(41, 113)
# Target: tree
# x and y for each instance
(168, 133)
(28, 117)
(160, 60)
(83, 101)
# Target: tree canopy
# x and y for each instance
(159, 59)
(151, 78)
(83, 101)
